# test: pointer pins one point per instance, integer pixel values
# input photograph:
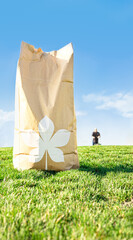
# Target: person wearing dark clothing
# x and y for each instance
(95, 136)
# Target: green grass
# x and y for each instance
(93, 202)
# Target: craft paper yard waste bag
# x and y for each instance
(45, 122)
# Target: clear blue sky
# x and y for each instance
(102, 37)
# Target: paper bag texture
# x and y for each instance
(45, 122)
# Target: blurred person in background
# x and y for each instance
(95, 137)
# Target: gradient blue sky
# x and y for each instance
(102, 37)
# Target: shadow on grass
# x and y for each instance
(42, 174)
(102, 171)
(98, 170)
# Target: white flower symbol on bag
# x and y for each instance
(45, 142)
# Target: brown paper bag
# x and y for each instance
(45, 122)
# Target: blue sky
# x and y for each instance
(102, 37)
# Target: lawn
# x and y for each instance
(93, 202)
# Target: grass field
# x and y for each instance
(93, 202)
